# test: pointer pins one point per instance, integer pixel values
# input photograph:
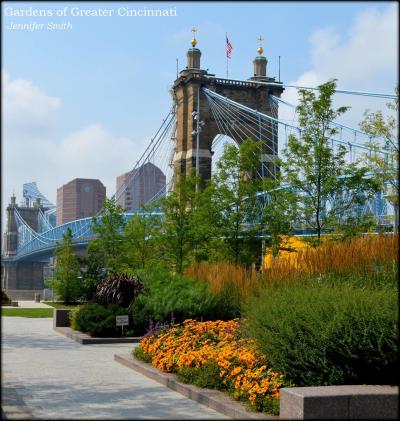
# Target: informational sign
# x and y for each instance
(122, 320)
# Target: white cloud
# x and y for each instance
(363, 59)
(32, 151)
(27, 109)
(94, 152)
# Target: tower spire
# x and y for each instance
(260, 48)
(194, 40)
(194, 54)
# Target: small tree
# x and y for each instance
(318, 173)
(65, 282)
(278, 212)
(109, 229)
(235, 187)
(91, 271)
(385, 165)
(176, 237)
(140, 247)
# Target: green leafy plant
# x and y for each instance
(330, 329)
(98, 320)
(65, 283)
(206, 375)
(167, 296)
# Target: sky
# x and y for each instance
(85, 101)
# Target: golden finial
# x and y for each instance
(260, 49)
(194, 41)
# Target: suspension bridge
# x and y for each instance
(206, 112)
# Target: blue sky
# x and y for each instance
(105, 82)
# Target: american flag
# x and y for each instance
(228, 47)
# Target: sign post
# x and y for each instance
(122, 321)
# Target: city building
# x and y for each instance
(80, 198)
(138, 187)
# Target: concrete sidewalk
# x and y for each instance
(52, 377)
(31, 304)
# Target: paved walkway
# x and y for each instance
(31, 304)
(57, 378)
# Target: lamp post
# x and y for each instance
(199, 126)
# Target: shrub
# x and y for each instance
(5, 299)
(215, 355)
(329, 331)
(176, 297)
(99, 320)
(119, 289)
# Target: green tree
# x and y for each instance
(141, 247)
(235, 187)
(278, 212)
(91, 271)
(176, 237)
(65, 282)
(208, 243)
(319, 173)
(109, 228)
(385, 165)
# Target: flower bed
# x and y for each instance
(213, 354)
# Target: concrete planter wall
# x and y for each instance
(61, 317)
(340, 402)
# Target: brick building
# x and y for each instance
(80, 198)
(142, 185)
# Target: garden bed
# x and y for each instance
(215, 355)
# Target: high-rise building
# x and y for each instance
(80, 198)
(138, 187)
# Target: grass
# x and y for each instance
(362, 254)
(58, 304)
(27, 312)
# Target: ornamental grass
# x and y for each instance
(362, 254)
(215, 351)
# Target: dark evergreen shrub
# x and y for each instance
(99, 321)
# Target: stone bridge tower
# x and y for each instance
(21, 279)
(188, 98)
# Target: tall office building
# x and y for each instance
(137, 188)
(80, 198)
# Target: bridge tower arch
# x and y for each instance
(189, 100)
(21, 279)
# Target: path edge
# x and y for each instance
(214, 399)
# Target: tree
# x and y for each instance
(91, 271)
(208, 243)
(65, 282)
(109, 229)
(140, 247)
(385, 165)
(278, 212)
(176, 236)
(318, 173)
(235, 187)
